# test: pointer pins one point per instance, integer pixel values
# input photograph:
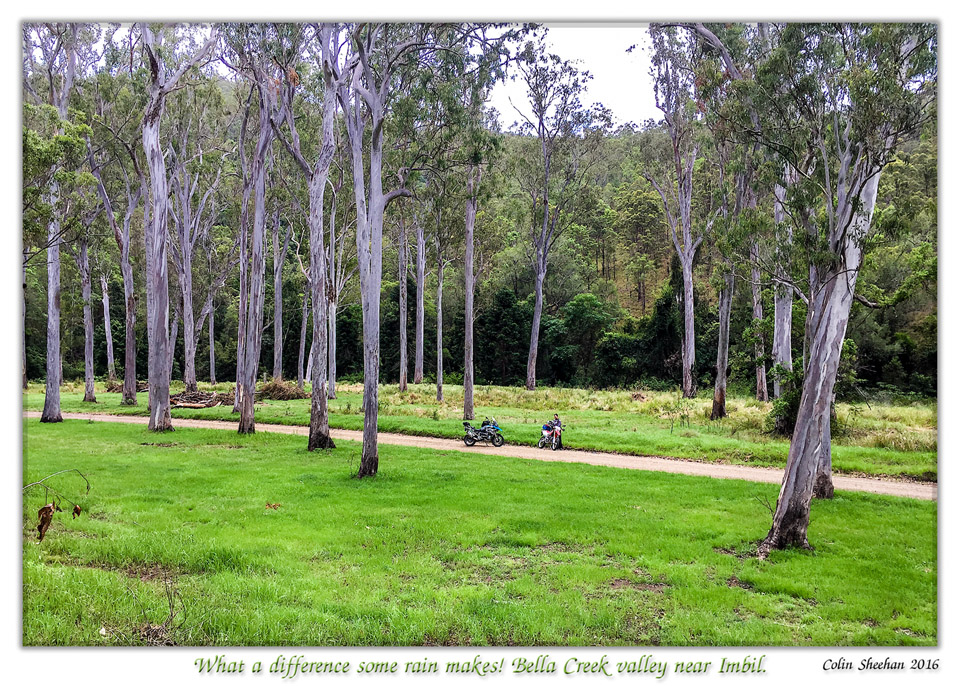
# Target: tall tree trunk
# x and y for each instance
(86, 292)
(174, 330)
(782, 294)
(332, 349)
(402, 258)
(158, 295)
(129, 396)
(758, 347)
(277, 301)
(304, 317)
(319, 417)
(808, 462)
(541, 273)
(213, 354)
(23, 320)
(257, 285)
(473, 181)
(243, 304)
(723, 348)
(439, 327)
(51, 399)
(689, 335)
(189, 325)
(310, 357)
(421, 286)
(108, 331)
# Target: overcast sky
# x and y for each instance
(621, 81)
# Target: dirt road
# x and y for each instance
(906, 489)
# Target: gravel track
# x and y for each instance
(886, 486)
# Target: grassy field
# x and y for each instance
(445, 548)
(876, 440)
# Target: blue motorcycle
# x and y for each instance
(489, 431)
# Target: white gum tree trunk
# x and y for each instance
(781, 348)
(540, 269)
(257, 275)
(51, 398)
(723, 347)
(473, 182)
(213, 353)
(758, 347)
(301, 353)
(808, 463)
(402, 258)
(421, 287)
(440, 265)
(108, 330)
(86, 293)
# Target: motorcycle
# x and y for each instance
(550, 435)
(489, 431)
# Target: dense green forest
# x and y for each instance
(612, 313)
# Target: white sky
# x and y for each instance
(621, 81)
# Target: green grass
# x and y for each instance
(446, 548)
(875, 440)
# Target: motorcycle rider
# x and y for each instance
(556, 424)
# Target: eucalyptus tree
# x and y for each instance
(445, 241)
(80, 248)
(568, 140)
(846, 96)
(252, 51)
(51, 49)
(340, 266)
(322, 47)
(740, 47)
(280, 249)
(107, 327)
(197, 154)
(381, 61)
(672, 59)
(52, 149)
(163, 80)
(479, 147)
(116, 102)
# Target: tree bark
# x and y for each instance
(86, 291)
(23, 320)
(304, 317)
(688, 352)
(332, 348)
(541, 273)
(189, 325)
(51, 399)
(782, 294)
(319, 417)
(473, 181)
(402, 258)
(278, 258)
(723, 347)
(213, 354)
(158, 304)
(108, 331)
(122, 237)
(257, 284)
(439, 326)
(421, 287)
(758, 347)
(807, 470)
(155, 231)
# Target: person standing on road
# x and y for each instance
(557, 424)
